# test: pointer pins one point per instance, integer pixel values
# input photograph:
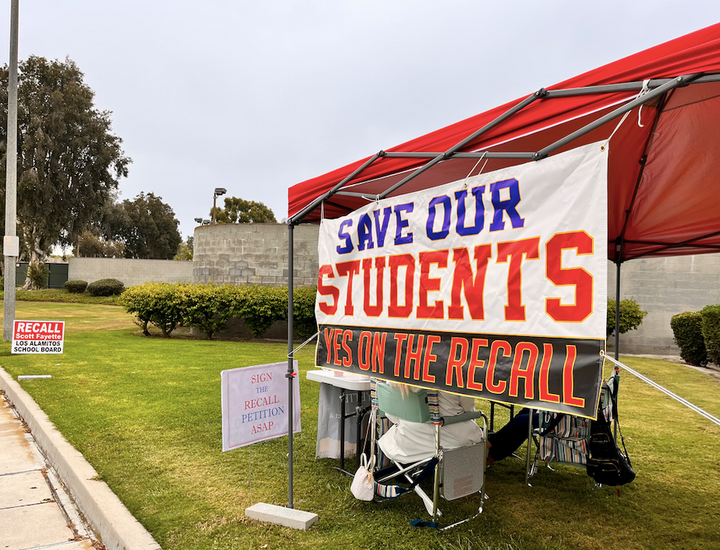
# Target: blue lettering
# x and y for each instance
(432, 213)
(509, 206)
(479, 212)
(342, 235)
(381, 231)
(402, 223)
(365, 233)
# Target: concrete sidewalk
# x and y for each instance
(34, 511)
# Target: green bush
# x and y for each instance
(105, 287)
(260, 306)
(687, 329)
(157, 303)
(38, 272)
(75, 287)
(304, 321)
(631, 316)
(207, 307)
(711, 332)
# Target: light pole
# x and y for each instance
(218, 191)
(10, 243)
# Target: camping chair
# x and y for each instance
(457, 472)
(564, 438)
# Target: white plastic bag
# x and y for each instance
(363, 485)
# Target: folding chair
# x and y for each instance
(457, 472)
(564, 438)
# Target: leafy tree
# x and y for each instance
(185, 250)
(92, 246)
(69, 162)
(241, 211)
(146, 226)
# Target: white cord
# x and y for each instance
(643, 91)
(665, 391)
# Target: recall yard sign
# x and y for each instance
(38, 336)
(255, 404)
(493, 286)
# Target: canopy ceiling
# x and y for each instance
(664, 163)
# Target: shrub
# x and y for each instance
(75, 287)
(260, 306)
(207, 307)
(304, 321)
(156, 303)
(38, 272)
(105, 287)
(687, 329)
(631, 316)
(711, 332)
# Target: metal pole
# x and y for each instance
(290, 372)
(214, 206)
(617, 307)
(11, 179)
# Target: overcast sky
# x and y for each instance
(258, 96)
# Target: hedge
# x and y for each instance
(208, 307)
(75, 287)
(687, 329)
(631, 316)
(711, 332)
(105, 287)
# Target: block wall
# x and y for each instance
(664, 287)
(244, 254)
(130, 272)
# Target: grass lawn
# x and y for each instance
(146, 414)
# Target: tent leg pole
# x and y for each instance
(617, 311)
(290, 372)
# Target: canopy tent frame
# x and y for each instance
(659, 90)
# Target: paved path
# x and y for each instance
(35, 513)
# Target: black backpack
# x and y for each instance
(606, 464)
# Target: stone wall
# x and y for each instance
(664, 287)
(254, 254)
(130, 272)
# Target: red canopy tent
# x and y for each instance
(664, 161)
(663, 176)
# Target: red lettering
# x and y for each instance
(545, 394)
(327, 290)
(430, 284)
(577, 277)
(490, 384)
(528, 373)
(568, 382)
(456, 363)
(516, 252)
(376, 310)
(396, 262)
(349, 270)
(473, 287)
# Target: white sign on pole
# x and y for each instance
(11, 246)
(255, 404)
(38, 336)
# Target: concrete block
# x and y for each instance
(289, 517)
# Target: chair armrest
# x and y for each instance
(469, 415)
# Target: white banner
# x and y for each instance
(255, 404)
(520, 252)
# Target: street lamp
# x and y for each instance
(218, 191)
